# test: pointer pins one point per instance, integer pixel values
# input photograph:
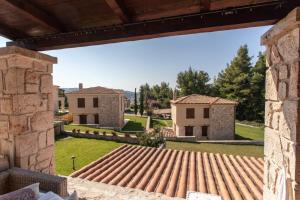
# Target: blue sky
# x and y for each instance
(129, 64)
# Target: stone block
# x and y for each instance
(282, 91)
(17, 61)
(32, 160)
(274, 55)
(40, 66)
(32, 88)
(50, 68)
(14, 81)
(18, 124)
(275, 120)
(42, 121)
(45, 154)
(50, 137)
(46, 84)
(1, 82)
(288, 120)
(283, 72)
(4, 127)
(42, 165)
(294, 80)
(26, 144)
(22, 162)
(27, 103)
(42, 140)
(6, 106)
(32, 77)
(50, 102)
(3, 64)
(271, 84)
(288, 46)
(268, 113)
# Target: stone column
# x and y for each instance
(26, 109)
(282, 112)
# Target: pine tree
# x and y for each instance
(142, 100)
(234, 82)
(258, 78)
(135, 102)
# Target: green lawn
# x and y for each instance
(159, 123)
(247, 150)
(136, 123)
(85, 150)
(243, 132)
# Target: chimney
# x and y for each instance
(80, 86)
(174, 94)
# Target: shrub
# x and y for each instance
(114, 133)
(74, 131)
(104, 133)
(96, 132)
(153, 140)
(78, 130)
(87, 131)
(127, 134)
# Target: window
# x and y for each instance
(81, 102)
(204, 131)
(96, 118)
(190, 113)
(206, 113)
(82, 119)
(95, 102)
(189, 131)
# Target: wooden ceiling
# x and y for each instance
(53, 24)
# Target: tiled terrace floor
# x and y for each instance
(173, 172)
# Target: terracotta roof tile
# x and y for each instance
(97, 90)
(201, 99)
(174, 172)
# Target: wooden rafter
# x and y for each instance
(119, 9)
(204, 5)
(232, 18)
(34, 13)
(10, 33)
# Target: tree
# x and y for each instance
(135, 102)
(142, 100)
(234, 82)
(193, 82)
(258, 78)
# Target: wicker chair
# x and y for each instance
(16, 178)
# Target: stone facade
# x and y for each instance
(220, 123)
(282, 134)
(110, 109)
(26, 109)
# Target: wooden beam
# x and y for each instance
(241, 17)
(119, 9)
(11, 33)
(34, 13)
(204, 5)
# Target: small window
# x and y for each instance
(189, 131)
(95, 102)
(206, 113)
(204, 131)
(81, 102)
(190, 113)
(96, 118)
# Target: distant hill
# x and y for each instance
(128, 94)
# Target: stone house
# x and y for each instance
(99, 106)
(204, 117)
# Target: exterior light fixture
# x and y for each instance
(73, 160)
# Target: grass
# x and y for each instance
(84, 128)
(136, 123)
(246, 150)
(159, 123)
(85, 150)
(244, 132)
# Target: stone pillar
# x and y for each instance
(26, 109)
(282, 112)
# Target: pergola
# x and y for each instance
(26, 112)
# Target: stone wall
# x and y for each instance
(26, 109)
(282, 137)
